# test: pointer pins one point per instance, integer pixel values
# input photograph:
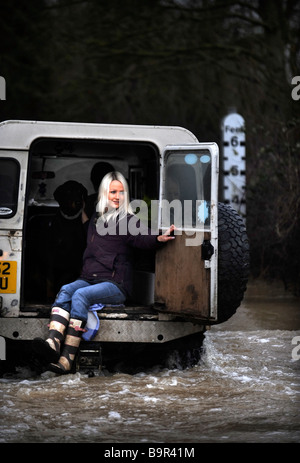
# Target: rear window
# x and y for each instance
(9, 187)
(187, 189)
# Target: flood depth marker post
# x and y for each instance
(234, 162)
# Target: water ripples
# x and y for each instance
(245, 389)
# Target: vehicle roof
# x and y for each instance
(19, 134)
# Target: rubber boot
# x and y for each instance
(72, 341)
(49, 350)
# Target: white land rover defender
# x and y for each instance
(197, 280)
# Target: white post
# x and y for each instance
(234, 162)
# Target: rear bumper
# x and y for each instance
(122, 327)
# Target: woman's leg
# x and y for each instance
(99, 293)
(66, 292)
(82, 299)
(48, 350)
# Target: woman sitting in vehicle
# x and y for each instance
(106, 275)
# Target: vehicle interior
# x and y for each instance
(52, 237)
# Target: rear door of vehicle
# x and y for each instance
(186, 268)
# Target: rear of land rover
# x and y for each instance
(36, 158)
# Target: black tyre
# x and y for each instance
(233, 261)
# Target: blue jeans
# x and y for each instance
(78, 296)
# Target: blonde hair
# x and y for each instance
(102, 206)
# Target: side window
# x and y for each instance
(9, 187)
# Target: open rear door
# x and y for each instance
(186, 269)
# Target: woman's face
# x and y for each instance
(115, 194)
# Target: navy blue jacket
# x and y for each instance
(108, 255)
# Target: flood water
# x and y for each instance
(245, 389)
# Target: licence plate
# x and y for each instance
(8, 277)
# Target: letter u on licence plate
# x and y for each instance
(8, 277)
